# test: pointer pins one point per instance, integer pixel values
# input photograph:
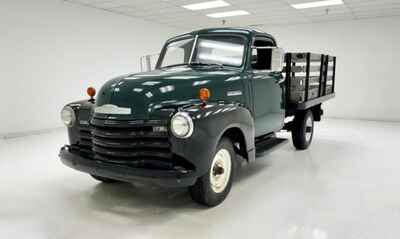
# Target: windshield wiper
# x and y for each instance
(205, 64)
(194, 64)
(180, 64)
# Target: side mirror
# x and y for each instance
(277, 59)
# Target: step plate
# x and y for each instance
(268, 145)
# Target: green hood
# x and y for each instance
(146, 93)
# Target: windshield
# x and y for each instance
(177, 53)
(209, 50)
(222, 50)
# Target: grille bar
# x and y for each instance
(126, 141)
(132, 153)
(127, 133)
(123, 143)
(127, 124)
(85, 142)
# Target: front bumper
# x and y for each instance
(165, 178)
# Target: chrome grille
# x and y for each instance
(132, 143)
(129, 140)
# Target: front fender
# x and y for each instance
(211, 121)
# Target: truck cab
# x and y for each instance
(216, 96)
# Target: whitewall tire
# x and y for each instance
(212, 188)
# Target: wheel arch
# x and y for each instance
(237, 136)
(212, 122)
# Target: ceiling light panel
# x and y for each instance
(317, 4)
(332, 10)
(206, 5)
(262, 12)
(228, 14)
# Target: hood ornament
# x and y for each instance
(112, 110)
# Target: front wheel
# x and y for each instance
(213, 187)
(303, 129)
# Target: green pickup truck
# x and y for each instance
(216, 97)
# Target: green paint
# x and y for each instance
(163, 88)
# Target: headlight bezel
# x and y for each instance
(69, 122)
(189, 122)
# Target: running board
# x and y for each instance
(268, 145)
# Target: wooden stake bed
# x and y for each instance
(309, 79)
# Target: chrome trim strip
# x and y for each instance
(234, 93)
(112, 110)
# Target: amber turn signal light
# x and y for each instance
(91, 91)
(204, 94)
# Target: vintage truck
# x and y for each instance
(216, 96)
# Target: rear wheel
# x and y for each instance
(103, 179)
(213, 187)
(303, 129)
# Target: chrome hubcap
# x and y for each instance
(309, 129)
(220, 170)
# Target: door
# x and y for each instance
(268, 91)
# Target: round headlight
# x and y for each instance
(182, 125)
(68, 116)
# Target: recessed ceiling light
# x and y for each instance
(228, 14)
(317, 4)
(206, 5)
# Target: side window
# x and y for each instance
(261, 55)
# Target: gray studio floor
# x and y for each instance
(347, 185)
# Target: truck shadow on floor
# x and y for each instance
(146, 201)
(141, 200)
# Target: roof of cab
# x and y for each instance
(249, 32)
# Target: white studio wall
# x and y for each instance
(51, 51)
(367, 51)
